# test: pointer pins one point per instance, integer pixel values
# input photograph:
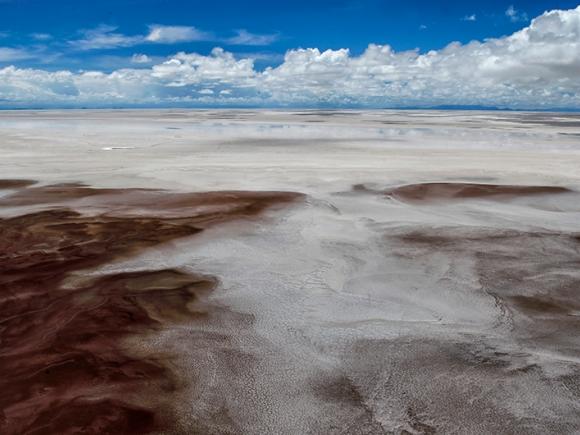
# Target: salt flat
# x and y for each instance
(408, 271)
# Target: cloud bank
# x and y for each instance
(536, 67)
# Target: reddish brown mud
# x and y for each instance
(65, 363)
(532, 275)
(424, 192)
(15, 184)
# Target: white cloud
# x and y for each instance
(515, 15)
(244, 37)
(41, 36)
(192, 69)
(471, 17)
(173, 34)
(533, 68)
(140, 58)
(104, 37)
(422, 27)
(9, 54)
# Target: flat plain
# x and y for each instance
(324, 272)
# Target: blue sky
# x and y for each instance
(324, 24)
(109, 36)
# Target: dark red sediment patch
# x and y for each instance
(425, 192)
(103, 416)
(206, 207)
(535, 304)
(533, 276)
(529, 278)
(443, 191)
(15, 184)
(65, 364)
(61, 193)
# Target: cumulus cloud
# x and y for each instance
(533, 68)
(243, 37)
(220, 68)
(471, 17)
(173, 34)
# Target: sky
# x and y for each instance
(317, 53)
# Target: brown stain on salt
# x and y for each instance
(15, 184)
(64, 361)
(538, 305)
(429, 192)
(532, 275)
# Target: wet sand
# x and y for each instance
(250, 272)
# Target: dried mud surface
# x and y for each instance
(428, 284)
(65, 364)
(432, 192)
